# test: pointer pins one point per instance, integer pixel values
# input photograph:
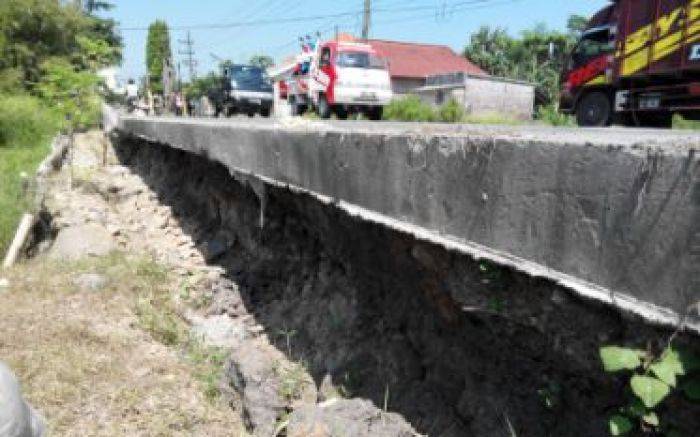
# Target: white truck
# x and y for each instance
(341, 78)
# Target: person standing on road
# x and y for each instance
(179, 104)
(132, 95)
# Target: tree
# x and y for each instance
(157, 51)
(262, 61)
(577, 24)
(92, 6)
(32, 31)
(537, 56)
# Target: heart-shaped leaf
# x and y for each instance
(650, 390)
(619, 425)
(617, 358)
(668, 367)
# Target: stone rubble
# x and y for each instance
(97, 209)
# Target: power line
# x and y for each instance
(278, 21)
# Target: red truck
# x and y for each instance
(637, 63)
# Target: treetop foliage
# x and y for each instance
(157, 51)
(51, 50)
(537, 55)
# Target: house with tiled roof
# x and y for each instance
(437, 74)
(411, 64)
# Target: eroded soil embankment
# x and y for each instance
(456, 346)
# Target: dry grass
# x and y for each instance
(86, 362)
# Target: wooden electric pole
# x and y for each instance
(367, 18)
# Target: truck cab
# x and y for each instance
(244, 89)
(342, 77)
(637, 63)
(589, 69)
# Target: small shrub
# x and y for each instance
(682, 123)
(652, 379)
(25, 122)
(410, 108)
(72, 93)
(550, 115)
(452, 112)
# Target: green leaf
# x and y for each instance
(616, 358)
(692, 389)
(619, 425)
(649, 389)
(651, 419)
(668, 367)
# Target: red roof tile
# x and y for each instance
(422, 60)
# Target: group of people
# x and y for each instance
(148, 103)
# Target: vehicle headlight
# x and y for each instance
(234, 84)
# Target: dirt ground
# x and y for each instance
(99, 344)
(86, 361)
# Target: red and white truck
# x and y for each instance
(341, 78)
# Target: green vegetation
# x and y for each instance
(412, 108)
(200, 86)
(262, 61)
(653, 380)
(49, 53)
(549, 114)
(681, 123)
(537, 56)
(157, 51)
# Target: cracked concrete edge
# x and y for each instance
(650, 312)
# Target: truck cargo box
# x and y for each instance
(658, 36)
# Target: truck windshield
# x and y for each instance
(248, 77)
(593, 43)
(360, 60)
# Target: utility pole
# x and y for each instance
(366, 20)
(188, 52)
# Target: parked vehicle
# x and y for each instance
(244, 89)
(638, 63)
(341, 78)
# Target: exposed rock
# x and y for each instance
(213, 249)
(90, 282)
(262, 379)
(346, 418)
(218, 331)
(80, 241)
(17, 418)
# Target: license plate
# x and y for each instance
(649, 102)
(255, 101)
(368, 96)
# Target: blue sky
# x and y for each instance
(447, 22)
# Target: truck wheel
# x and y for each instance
(594, 110)
(341, 113)
(265, 112)
(375, 114)
(294, 107)
(323, 109)
(662, 120)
